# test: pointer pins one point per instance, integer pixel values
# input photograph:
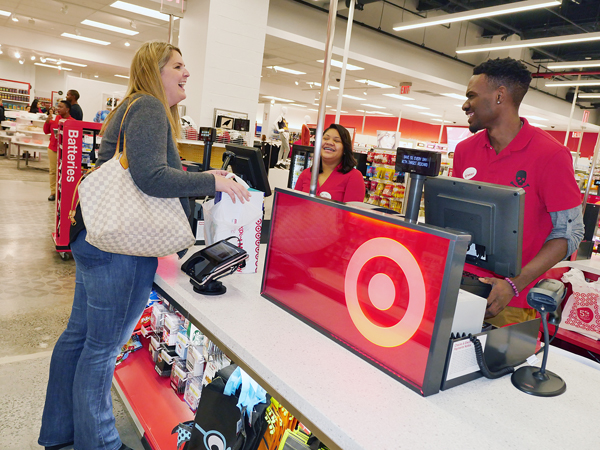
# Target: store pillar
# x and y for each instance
(224, 53)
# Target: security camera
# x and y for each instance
(337, 79)
(551, 126)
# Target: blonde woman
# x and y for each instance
(111, 290)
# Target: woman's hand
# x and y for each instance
(222, 173)
(230, 187)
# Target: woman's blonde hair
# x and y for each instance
(144, 78)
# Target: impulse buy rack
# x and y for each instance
(72, 161)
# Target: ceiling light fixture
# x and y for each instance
(278, 99)
(312, 109)
(42, 59)
(60, 61)
(375, 84)
(299, 106)
(21, 61)
(140, 10)
(17, 55)
(353, 97)
(399, 97)
(456, 96)
(4, 13)
(1, 52)
(477, 14)
(121, 76)
(86, 39)
(286, 70)
(14, 18)
(557, 40)
(430, 114)
(538, 125)
(596, 95)
(440, 120)
(296, 83)
(52, 67)
(95, 76)
(372, 106)
(573, 83)
(33, 58)
(127, 44)
(416, 106)
(339, 64)
(573, 64)
(105, 26)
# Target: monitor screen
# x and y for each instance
(490, 213)
(241, 124)
(249, 166)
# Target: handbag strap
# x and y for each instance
(124, 163)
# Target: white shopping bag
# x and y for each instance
(580, 313)
(223, 219)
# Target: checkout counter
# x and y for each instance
(341, 395)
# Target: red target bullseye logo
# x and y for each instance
(382, 292)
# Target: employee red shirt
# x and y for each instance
(534, 161)
(342, 187)
(49, 129)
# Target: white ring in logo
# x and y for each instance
(469, 173)
(402, 331)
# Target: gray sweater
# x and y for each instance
(154, 161)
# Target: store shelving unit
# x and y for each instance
(70, 168)
(154, 404)
(14, 95)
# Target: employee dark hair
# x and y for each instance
(507, 72)
(67, 104)
(34, 107)
(348, 161)
(74, 93)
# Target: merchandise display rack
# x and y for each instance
(70, 167)
(13, 96)
(154, 406)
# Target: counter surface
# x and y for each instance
(352, 405)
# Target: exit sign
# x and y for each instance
(404, 90)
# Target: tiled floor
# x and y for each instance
(36, 291)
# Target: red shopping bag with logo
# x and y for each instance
(581, 312)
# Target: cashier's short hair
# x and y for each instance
(67, 104)
(74, 93)
(348, 161)
(507, 72)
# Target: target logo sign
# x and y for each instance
(382, 292)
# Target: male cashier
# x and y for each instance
(511, 152)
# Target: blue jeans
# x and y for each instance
(111, 292)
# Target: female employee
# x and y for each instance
(112, 290)
(338, 179)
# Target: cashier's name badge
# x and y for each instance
(325, 195)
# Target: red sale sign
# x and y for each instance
(384, 288)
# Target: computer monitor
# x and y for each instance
(492, 214)
(247, 163)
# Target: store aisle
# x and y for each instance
(35, 301)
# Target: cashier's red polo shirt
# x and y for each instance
(534, 161)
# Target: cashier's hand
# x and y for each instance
(230, 187)
(499, 297)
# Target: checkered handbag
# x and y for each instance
(120, 218)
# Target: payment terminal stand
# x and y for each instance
(420, 164)
(208, 135)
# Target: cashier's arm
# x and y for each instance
(566, 235)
